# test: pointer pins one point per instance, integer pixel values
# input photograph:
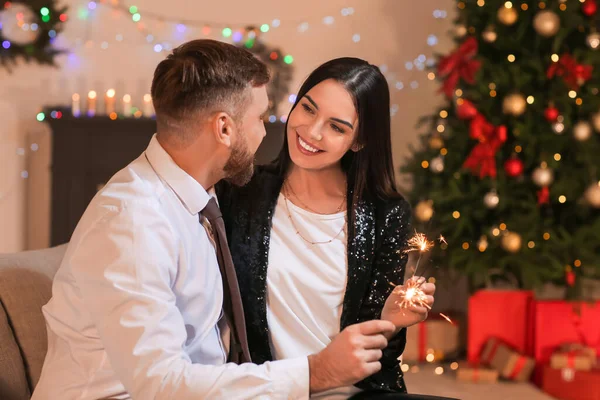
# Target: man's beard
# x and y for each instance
(240, 166)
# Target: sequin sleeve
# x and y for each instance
(388, 267)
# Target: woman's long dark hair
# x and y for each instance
(370, 171)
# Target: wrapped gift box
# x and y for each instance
(434, 336)
(568, 384)
(477, 375)
(503, 314)
(509, 363)
(575, 356)
(559, 322)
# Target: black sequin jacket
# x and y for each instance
(373, 262)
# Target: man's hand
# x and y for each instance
(350, 357)
(405, 317)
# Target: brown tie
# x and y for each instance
(232, 300)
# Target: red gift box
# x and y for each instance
(560, 322)
(568, 384)
(502, 314)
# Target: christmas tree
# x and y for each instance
(509, 169)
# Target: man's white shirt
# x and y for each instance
(136, 306)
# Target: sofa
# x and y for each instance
(25, 286)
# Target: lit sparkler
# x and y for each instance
(418, 243)
(411, 295)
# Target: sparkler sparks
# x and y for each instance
(411, 295)
(447, 318)
(442, 240)
(418, 243)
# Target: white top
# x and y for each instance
(138, 297)
(306, 284)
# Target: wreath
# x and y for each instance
(28, 29)
(281, 72)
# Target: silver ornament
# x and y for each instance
(491, 199)
(542, 176)
(582, 131)
(592, 195)
(558, 127)
(437, 164)
(593, 40)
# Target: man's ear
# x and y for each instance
(223, 128)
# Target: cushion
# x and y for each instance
(25, 286)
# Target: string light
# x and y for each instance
(546, 236)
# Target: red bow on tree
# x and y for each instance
(482, 159)
(459, 64)
(574, 74)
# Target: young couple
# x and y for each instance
(146, 304)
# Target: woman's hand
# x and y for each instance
(413, 314)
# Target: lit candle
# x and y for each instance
(91, 103)
(148, 110)
(76, 106)
(127, 105)
(110, 101)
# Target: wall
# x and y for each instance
(392, 32)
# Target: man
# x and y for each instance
(142, 305)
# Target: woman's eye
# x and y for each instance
(307, 108)
(337, 128)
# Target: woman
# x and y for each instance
(317, 237)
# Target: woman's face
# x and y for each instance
(322, 127)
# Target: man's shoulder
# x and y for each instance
(132, 193)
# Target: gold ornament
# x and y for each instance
(424, 210)
(507, 16)
(514, 104)
(511, 242)
(593, 40)
(582, 131)
(489, 35)
(592, 195)
(542, 176)
(436, 142)
(491, 199)
(546, 23)
(460, 30)
(596, 121)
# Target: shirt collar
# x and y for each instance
(190, 192)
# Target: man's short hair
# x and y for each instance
(202, 77)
